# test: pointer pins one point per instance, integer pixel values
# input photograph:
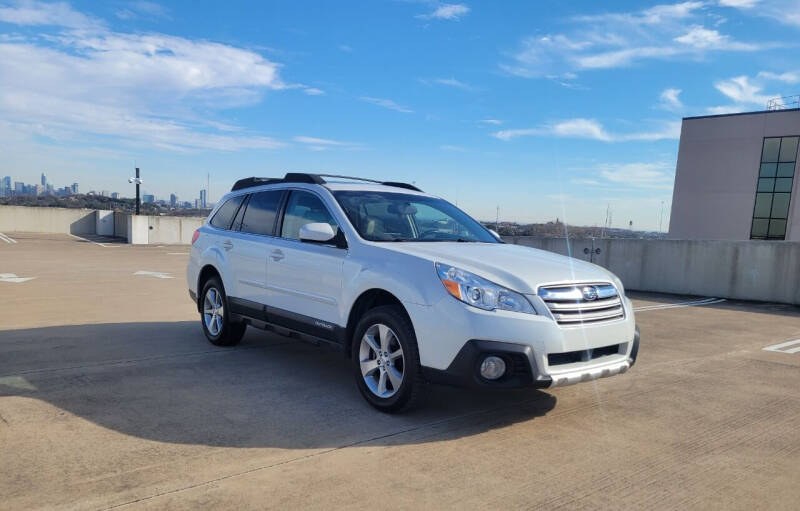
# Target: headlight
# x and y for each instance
(479, 292)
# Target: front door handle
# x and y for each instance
(227, 245)
(276, 255)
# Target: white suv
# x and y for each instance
(408, 286)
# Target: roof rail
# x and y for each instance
(303, 177)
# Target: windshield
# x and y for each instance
(387, 216)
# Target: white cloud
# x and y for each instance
(453, 12)
(321, 144)
(495, 122)
(612, 40)
(387, 103)
(86, 82)
(593, 130)
(788, 77)
(452, 82)
(670, 99)
(782, 11)
(741, 4)
(312, 91)
(747, 93)
(33, 12)
(142, 9)
(741, 90)
(639, 175)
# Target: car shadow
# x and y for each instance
(163, 381)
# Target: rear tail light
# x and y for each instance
(195, 236)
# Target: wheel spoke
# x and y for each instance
(218, 325)
(395, 376)
(396, 354)
(385, 335)
(382, 384)
(369, 339)
(368, 367)
(208, 310)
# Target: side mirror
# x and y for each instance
(495, 234)
(319, 232)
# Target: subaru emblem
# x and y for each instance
(589, 293)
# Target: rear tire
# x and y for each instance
(214, 317)
(385, 360)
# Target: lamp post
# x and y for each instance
(138, 182)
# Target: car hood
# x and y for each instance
(519, 268)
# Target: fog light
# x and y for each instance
(493, 368)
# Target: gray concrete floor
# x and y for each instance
(111, 397)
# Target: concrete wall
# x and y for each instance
(172, 229)
(139, 230)
(745, 270)
(58, 220)
(104, 222)
(121, 225)
(717, 172)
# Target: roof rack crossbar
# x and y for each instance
(303, 177)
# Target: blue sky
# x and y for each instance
(544, 108)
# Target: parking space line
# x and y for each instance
(104, 245)
(785, 347)
(156, 274)
(8, 239)
(693, 303)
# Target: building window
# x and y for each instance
(774, 188)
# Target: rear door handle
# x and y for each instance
(276, 255)
(227, 245)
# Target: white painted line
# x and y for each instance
(693, 303)
(155, 274)
(8, 239)
(13, 279)
(784, 347)
(99, 244)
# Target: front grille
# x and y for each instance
(576, 304)
(570, 357)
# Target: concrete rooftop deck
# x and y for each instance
(110, 396)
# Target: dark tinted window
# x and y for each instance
(774, 188)
(237, 222)
(259, 217)
(224, 216)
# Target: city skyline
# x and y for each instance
(9, 185)
(542, 109)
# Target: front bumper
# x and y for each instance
(452, 337)
(522, 369)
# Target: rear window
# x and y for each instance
(224, 215)
(259, 217)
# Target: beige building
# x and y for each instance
(735, 178)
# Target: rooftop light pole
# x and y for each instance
(138, 182)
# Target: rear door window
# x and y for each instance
(261, 212)
(225, 214)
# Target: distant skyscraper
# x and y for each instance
(146, 198)
(75, 188)
(203, 199)
(173, 199)
(44, 180)
(115, 195)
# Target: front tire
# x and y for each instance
(214, 317)
(385, 360)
